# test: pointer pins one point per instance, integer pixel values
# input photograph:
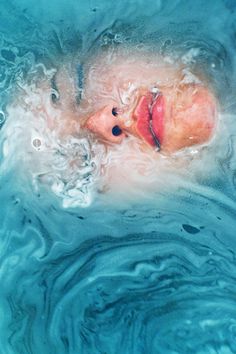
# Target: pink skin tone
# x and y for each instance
(187, 112)
(184, 115)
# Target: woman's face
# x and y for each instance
(163, 106)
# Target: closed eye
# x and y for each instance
(80, 82)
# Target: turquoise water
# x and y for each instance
(117, 276)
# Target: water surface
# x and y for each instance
(156, 276)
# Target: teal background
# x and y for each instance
(157, 277)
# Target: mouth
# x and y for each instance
(149, 116)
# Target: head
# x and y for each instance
(160, 104)
(133, 103)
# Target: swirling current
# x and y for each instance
(85, 271)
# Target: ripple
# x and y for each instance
(132, 278)
(139, 294)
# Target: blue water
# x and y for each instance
(118, 276)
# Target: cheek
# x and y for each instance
(201, 117)
(194, 123)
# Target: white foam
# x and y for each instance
(189, 78)
(190, 56)
(68, 166)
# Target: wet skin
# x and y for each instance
(126, 93)
(134, 105)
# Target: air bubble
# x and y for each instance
(168, 42)
(37, 143)
(155, 90)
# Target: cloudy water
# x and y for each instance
(142, 266)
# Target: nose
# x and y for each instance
(106, 125)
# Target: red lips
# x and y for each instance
(147, 110)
